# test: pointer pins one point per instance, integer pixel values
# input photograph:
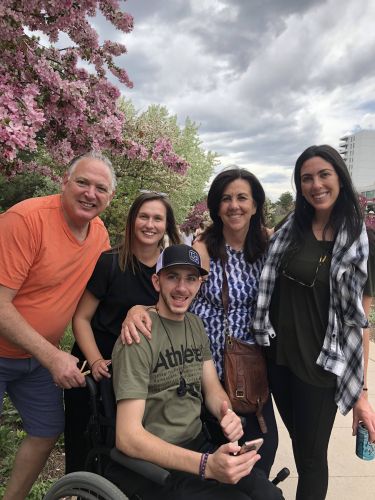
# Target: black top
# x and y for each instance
(299, 314)
(117, 292)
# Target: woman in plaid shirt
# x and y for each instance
(310, 312)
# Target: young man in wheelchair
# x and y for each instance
(158, 386)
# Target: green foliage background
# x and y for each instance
(134, 175)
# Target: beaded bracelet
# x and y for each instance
(202, 466)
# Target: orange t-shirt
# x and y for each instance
(40, 257)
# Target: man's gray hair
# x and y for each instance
(94, 155)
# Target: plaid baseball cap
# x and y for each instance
(177, 255)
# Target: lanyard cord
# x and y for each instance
(182, 388)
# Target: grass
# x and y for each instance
(11, 435)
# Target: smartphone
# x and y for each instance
(251, 445)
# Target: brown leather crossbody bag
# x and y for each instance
(245, 370)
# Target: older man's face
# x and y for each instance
(87, 192)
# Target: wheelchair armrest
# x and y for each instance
(91, 386)
(147, 469)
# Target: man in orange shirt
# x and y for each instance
(48, 250)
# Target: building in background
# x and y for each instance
(358, 151)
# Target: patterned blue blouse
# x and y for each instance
(243, 281)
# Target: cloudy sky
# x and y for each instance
(264, 79)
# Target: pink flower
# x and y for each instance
(44, 96)
(163, 152)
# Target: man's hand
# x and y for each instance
(137, 318)
(230, 423)
(227, 468)
(363, 412)
(64, 370)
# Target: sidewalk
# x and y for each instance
(350, 477)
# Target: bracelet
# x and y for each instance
(99, 359)
(202, 465)
(364, 388)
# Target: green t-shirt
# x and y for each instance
(299, 314)
(150, 371)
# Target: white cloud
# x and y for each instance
(263, 79)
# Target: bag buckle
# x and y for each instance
(240, 393)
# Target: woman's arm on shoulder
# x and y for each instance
(137, 319)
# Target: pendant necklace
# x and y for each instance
(182, 388)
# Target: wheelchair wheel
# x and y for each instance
(85, 486)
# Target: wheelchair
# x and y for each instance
(91, 483)
(86, 486)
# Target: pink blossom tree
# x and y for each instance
(45, 97)
(198, 213)
(160, 155)
(369, 217)
(370, 221)
(153, 146)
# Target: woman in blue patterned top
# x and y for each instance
(237, 240)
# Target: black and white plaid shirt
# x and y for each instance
(342, 352)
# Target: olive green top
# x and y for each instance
(152, 370)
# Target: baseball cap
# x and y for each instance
(176, 255)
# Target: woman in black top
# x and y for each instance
(121, 279)
(310, 313)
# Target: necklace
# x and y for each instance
(319, 264)
(182, 388)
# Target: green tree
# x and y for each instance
(140, 168)
(269, 213)
(286, 202)
(144, 171)
(283, 206)
(24, 186)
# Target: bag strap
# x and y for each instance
(225, 301)
(225, 291)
